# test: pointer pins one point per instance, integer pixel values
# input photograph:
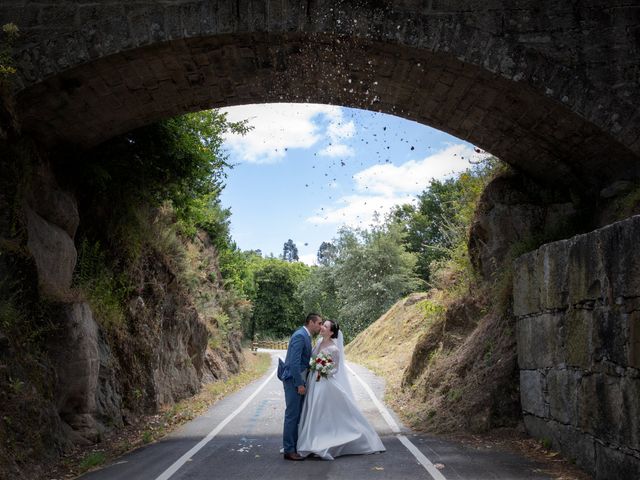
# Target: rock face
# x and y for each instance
(102, 374)
(168, 341)
(54, 253)
(85, 391)
(577, 305)
(52, 203)
(52, 221)
(513, 212)
(162, 358)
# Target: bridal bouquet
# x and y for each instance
(322, 363)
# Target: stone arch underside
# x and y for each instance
(550, 106)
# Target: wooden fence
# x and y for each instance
(273, 345)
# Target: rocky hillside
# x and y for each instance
(450, 355)
(450, 365)
(90, 340)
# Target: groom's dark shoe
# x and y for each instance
(293, 456)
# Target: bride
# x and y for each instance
(331, 423)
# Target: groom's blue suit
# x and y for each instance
(292, 375)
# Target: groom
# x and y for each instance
(292, 373)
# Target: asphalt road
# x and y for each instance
(240, 438)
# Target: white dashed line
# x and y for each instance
(424, 461)
(168, 473)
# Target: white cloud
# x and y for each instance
(338, 131)
(381, 187)
(277, 127)
(358, 210)
(414, 175)
(337, 150)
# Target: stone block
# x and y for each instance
(574, 444)
(620, 258)
(600, 408)
(553, 267)
(526, 289)
(631, 407)
(611, 335)
(578, 344)
(615, 464)
(533, 393)
(586, 280)
(634, 340)
(540, 341)
(562, 395)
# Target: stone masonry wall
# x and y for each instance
(549, 88)
(577, 304)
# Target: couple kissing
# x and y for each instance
(321, 416)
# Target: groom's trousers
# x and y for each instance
(293, 402)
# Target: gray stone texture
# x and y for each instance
(54, 254)
(540, 341)
(532, 394)
(616, 464)
(74, 352)
(562, 393)
(578, 346)
(513, 212)
(52, 220)
(570, 441)
(52, 203)
(551, 90)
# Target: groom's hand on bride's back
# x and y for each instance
(301, 390)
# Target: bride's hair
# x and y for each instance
(335, 328)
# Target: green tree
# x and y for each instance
(438, 224)
(290, 251)
(277, 309)
(174, 170)
(373, 271)
(318, 292)
(327, 254)
(179, 160)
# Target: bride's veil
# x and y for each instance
(342, 376)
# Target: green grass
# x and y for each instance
(92, 460)
(105, 290)
(147, 436)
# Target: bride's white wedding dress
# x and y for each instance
(331, 423)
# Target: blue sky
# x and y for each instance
(305, 170)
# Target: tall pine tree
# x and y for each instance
(290, 252)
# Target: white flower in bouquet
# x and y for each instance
(322, 364)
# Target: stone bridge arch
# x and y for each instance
(549, 87)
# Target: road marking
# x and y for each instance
(168, 473)
(395, 428)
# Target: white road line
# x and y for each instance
(395, 428)
(168, 473)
